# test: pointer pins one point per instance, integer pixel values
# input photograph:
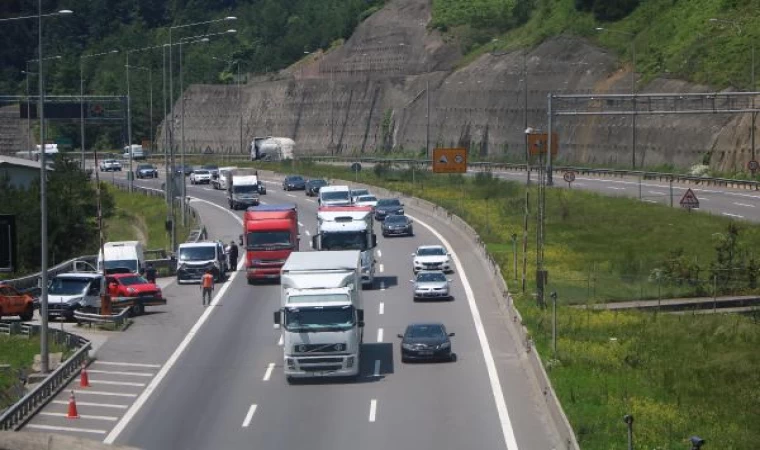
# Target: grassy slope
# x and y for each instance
(678, 375)
(19, 353)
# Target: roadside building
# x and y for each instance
(21, 172)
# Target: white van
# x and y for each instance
(137, 151)
(334, 196)
(222, 179)
(122, 255)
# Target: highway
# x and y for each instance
(224, 387)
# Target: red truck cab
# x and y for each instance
(270, 236)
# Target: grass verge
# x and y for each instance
(678, 375)
(18, 352)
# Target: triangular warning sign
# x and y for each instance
(443, 159)
(689, 200)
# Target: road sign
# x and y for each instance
(569, 176)
(537, 143)
(689, 200)
(449, 160)
(753, 165)
(356, 167)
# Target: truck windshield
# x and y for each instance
(349, 240)
(130, 264)
(245, 189)
(197, 254)
(319, 318)
(339, 195)
(68, 286)
(258, 240)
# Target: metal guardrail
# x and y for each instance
(30, 282)
(14, 328)
(116, 319)
(15, 416)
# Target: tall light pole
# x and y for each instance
(239, 93)
(81, 98)
(632, 36)
(150, 83)
(29, 109)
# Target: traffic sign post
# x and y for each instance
(538, 142)
(689, 200)
(449, 160)
(569, 177)
(753, 166)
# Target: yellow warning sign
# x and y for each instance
(449, 160)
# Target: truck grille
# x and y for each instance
(319, 348)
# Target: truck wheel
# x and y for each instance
(27, 314)
(138, 309)
(290, 380)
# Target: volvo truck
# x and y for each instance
(270, 235)
(348, 228)
(321, 314)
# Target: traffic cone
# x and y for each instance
(72, 414)
(84, 379)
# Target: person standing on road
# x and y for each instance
(233, 255)
(150, 273)
(207, 287)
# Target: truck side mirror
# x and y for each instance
(277, 317)
(240, 238)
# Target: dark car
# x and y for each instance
(293, 183)
(186, 170)
(146, 171)
(397, 226)
(312, 187)
(388, 206)
(426, 341)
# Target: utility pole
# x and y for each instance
(130, 175)
(44, 352)
(525, 116)
(427, 116)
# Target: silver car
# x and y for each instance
(431, 284)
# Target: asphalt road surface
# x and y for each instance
(224, 388)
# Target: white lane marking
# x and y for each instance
(307, 232)
(615, 188)
(291, 195)
(372, 410)
(268, 373)
(207, 189)
(382, 268)
(376, 372)
(379, 253)
(379, 335)
(138, 404)
(310, 200)
(746, 205)
(732, 215)
(74, 429)
(113, 372)
(112, 394)
(311, 244)
(249, 416)
(650, 201)
(493, 375)
(280, 341)
(382, 308)
(83, 416)
(656, 192)
(118, 383)
(111, 363)
(99, 405)
(300, 224)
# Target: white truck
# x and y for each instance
(321, 314)
(339, 195)
(195, 258)
(243, 191)
(122, 255)
(272, 148)
(348, 228)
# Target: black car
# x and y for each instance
(146, 171)
(293, 183)
(397, 226)
(312, 187)
(426, 341)
(186, 170)
(388, 206)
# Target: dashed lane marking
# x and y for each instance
(376, 372)
(746, 205)
(268, 373)
(732, 215)
(379, 335)
(372, 410)
(382, 308)
(379, 253)
(307, 232)
(280, 341)
(249, 416)
(382, 268)
(615, 188)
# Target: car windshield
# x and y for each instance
(295, 178)
(319, 318)
(425, 331)
(130, 264)
(431, 276)
(367, 198)
(268, 240)
(197, 253)
(358, 192)
(135, 279)
(337, 195)
(317, 183)
(431, 251)
(389, 202)
(245, 189)
(68, 286)
(396, 220)
(202, 172)
(144, 166)
(211, 167)
(349, 240)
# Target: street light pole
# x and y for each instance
(44, 353)
(130, 175)
(150, 83)
(81, 99)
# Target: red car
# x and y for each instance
(135, 291)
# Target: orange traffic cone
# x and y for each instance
(72, 414)
(84, 379)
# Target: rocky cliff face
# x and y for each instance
(394, 85)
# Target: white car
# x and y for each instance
(366, 200)
(356, 193)
(110, 165)
(432, 257)
(200, 176)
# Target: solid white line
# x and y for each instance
(743, 204)
(99, 405)
(83, 416)
(112, 394)
(180, 348)
(268, 373)
(382, 268)
(110, 363)
(280, 341)
(249, 416)
(379, 335)
(382, 308)
(111, 372)
(118, 383)
(372, 410)
(732, 215)
(376, 372)
(493, 375)
(76, 430)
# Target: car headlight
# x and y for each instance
(406, 346)
(400, 211)
(131, 290)
(444, 345)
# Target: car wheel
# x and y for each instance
(453, 357)
(290, 380)
(138, 309)
(404, 359)
(27, 314)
